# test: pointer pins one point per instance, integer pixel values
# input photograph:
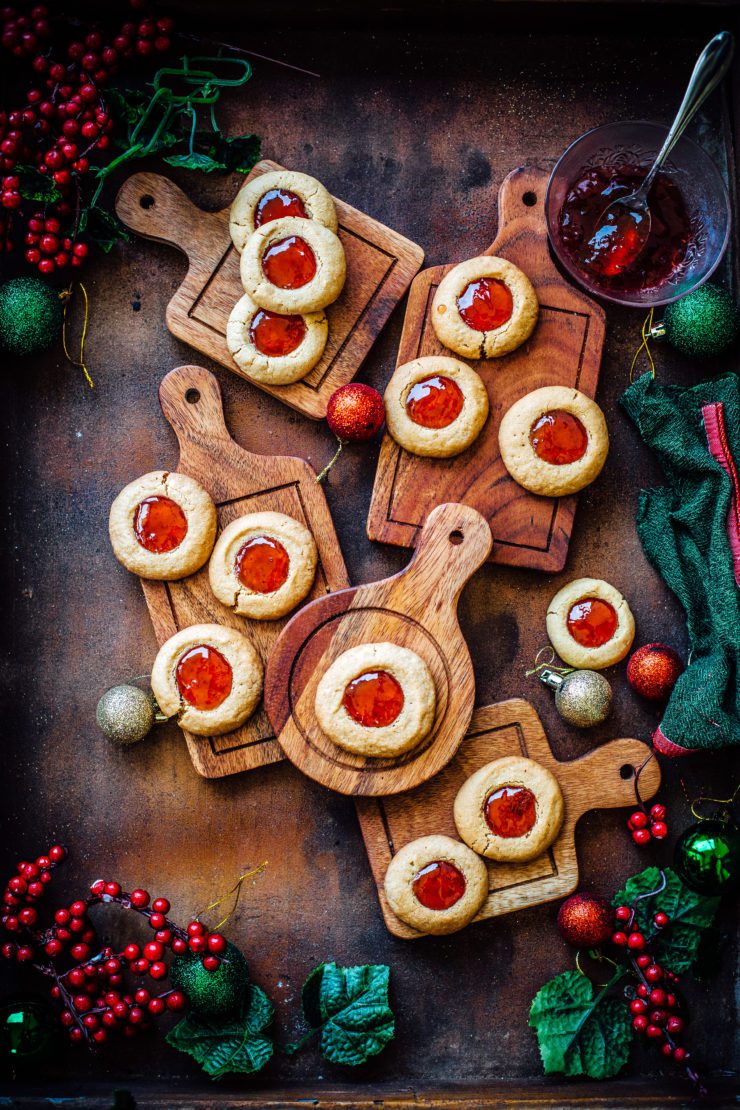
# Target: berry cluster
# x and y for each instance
(655, 1006)
(645, 828)
(91, 988)
(62, 124)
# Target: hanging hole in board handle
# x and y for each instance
(456, 537)
(626, 771)
(147, 201)
(529, 198)
(192, 396)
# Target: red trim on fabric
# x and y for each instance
(714, 425)
(665, 746)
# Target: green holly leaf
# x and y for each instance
(195, 161)
(236, 1045)
(36, 186)
(579, 1034)
(676, 946)
(238, 154)
(102, 227)
(349, 1006)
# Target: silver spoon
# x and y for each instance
(623, 228)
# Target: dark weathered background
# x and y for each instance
(416, 123)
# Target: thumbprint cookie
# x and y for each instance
(293, 266)
(273, 348)
(436, 884)
(590, 624)
(484, 308)
(272, 196)
(435, 406)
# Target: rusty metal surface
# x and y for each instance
(418, 128)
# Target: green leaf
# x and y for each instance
(36, 186)
(235, 1045)
(676, 946)
(580, 1034)
(349, 1005)
(102, 227)
(238, 154)
(195, 161)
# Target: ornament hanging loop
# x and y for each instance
(542, 664)
(236, 891)
(66, 297)
(647, 334)
(726, 803)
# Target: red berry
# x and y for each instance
(162, 43)
(635, 941)
(674, 1025)
(658, 1017)
(658, 812)
(620, 939)
(165, 25)
(642, 990)
(53, 947)
(157, 1006)
(211, 963)
(637, 820)
(100, 1036)
(24, 953)
(76, 977)
(198, 944)
(136, 1015)
(179, 946)
(164, 936)
(113, 966)
(644, 960)
(78, 909)
(659, 829)
(654, 1032)
(77, 924)
(28, 917)
(35, 888)
(140, 966)
(147, 28)
(142, 996)
(113, 889)
(30, 871)
(120, 1009)
(18, 885)
(157, 920)
(154, 950)
(666, 1049)
(216, 943)
(175, 1001)
(98, 887)
(80, 951)
(670, 1001)
(641, 836)
(45, 877)
(161, 905)
(90, 1021)
(661, 920)
(11, 923)
(9, 950)
(195, 929)
(137, 897)
(680, 1054)
(43, 862)
(653, 973)
(158, 970)
(82, 1003)
(623, 913)
(640, 1023)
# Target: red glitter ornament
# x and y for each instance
(653, 671)
(585, 920)
(355, 412)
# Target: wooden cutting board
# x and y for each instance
(601, 779)
(380, 266)
(416, 609)
(239, 481)
(564, 349)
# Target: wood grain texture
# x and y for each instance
(380, 266)
(416, 609)
(239, 482)
(564, 349)
(508, 728)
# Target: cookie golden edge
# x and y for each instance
(470, 819)
(416, 855)
(411, 726)
(457, 336)
(247, 679)
(200, 513)
(303, 556)
(316, 198)
(274, 369)
(321, 291)
(441, 443)
(532, 472)
(569, 650)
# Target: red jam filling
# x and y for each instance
(275, 335)
(373, 699)
(510, 811)
(435, 402)
(592, 622)
(262, 564)
(204, 677)
(160, 525)
(290, 263)
(558, 437)
(439, 885)
(667, 242)
(276, 203)
(486, 304)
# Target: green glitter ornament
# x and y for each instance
(30, 316)
(707, 856)
(702, 324)
(28, 1035)
(212, 994)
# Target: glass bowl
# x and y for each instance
(694, 172)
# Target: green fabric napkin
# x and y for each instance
(690, 532)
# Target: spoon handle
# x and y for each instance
(711, 66)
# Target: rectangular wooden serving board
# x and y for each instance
(564, 349)
(380, 266)
(240, 482)
(601, 779)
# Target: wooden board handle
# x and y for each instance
(153, 206)
(454, 542)
(522, 192)
(190, 398)
(605, 777)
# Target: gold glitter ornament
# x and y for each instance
(125, 714)
(582, 698)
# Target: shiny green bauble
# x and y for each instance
(30, 316)
(707, 857)
(212, 994)
(28, 1035)
(703, 324)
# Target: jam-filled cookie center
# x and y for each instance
(262, 564)
(373, 699)
(510, 811)
(592, 622)
(275, 335)
(276, 203)
(558, 437)
(204, 677)
(485, 304)
(439, 885)
(160, 525)
(290, 263)
(434, 402)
